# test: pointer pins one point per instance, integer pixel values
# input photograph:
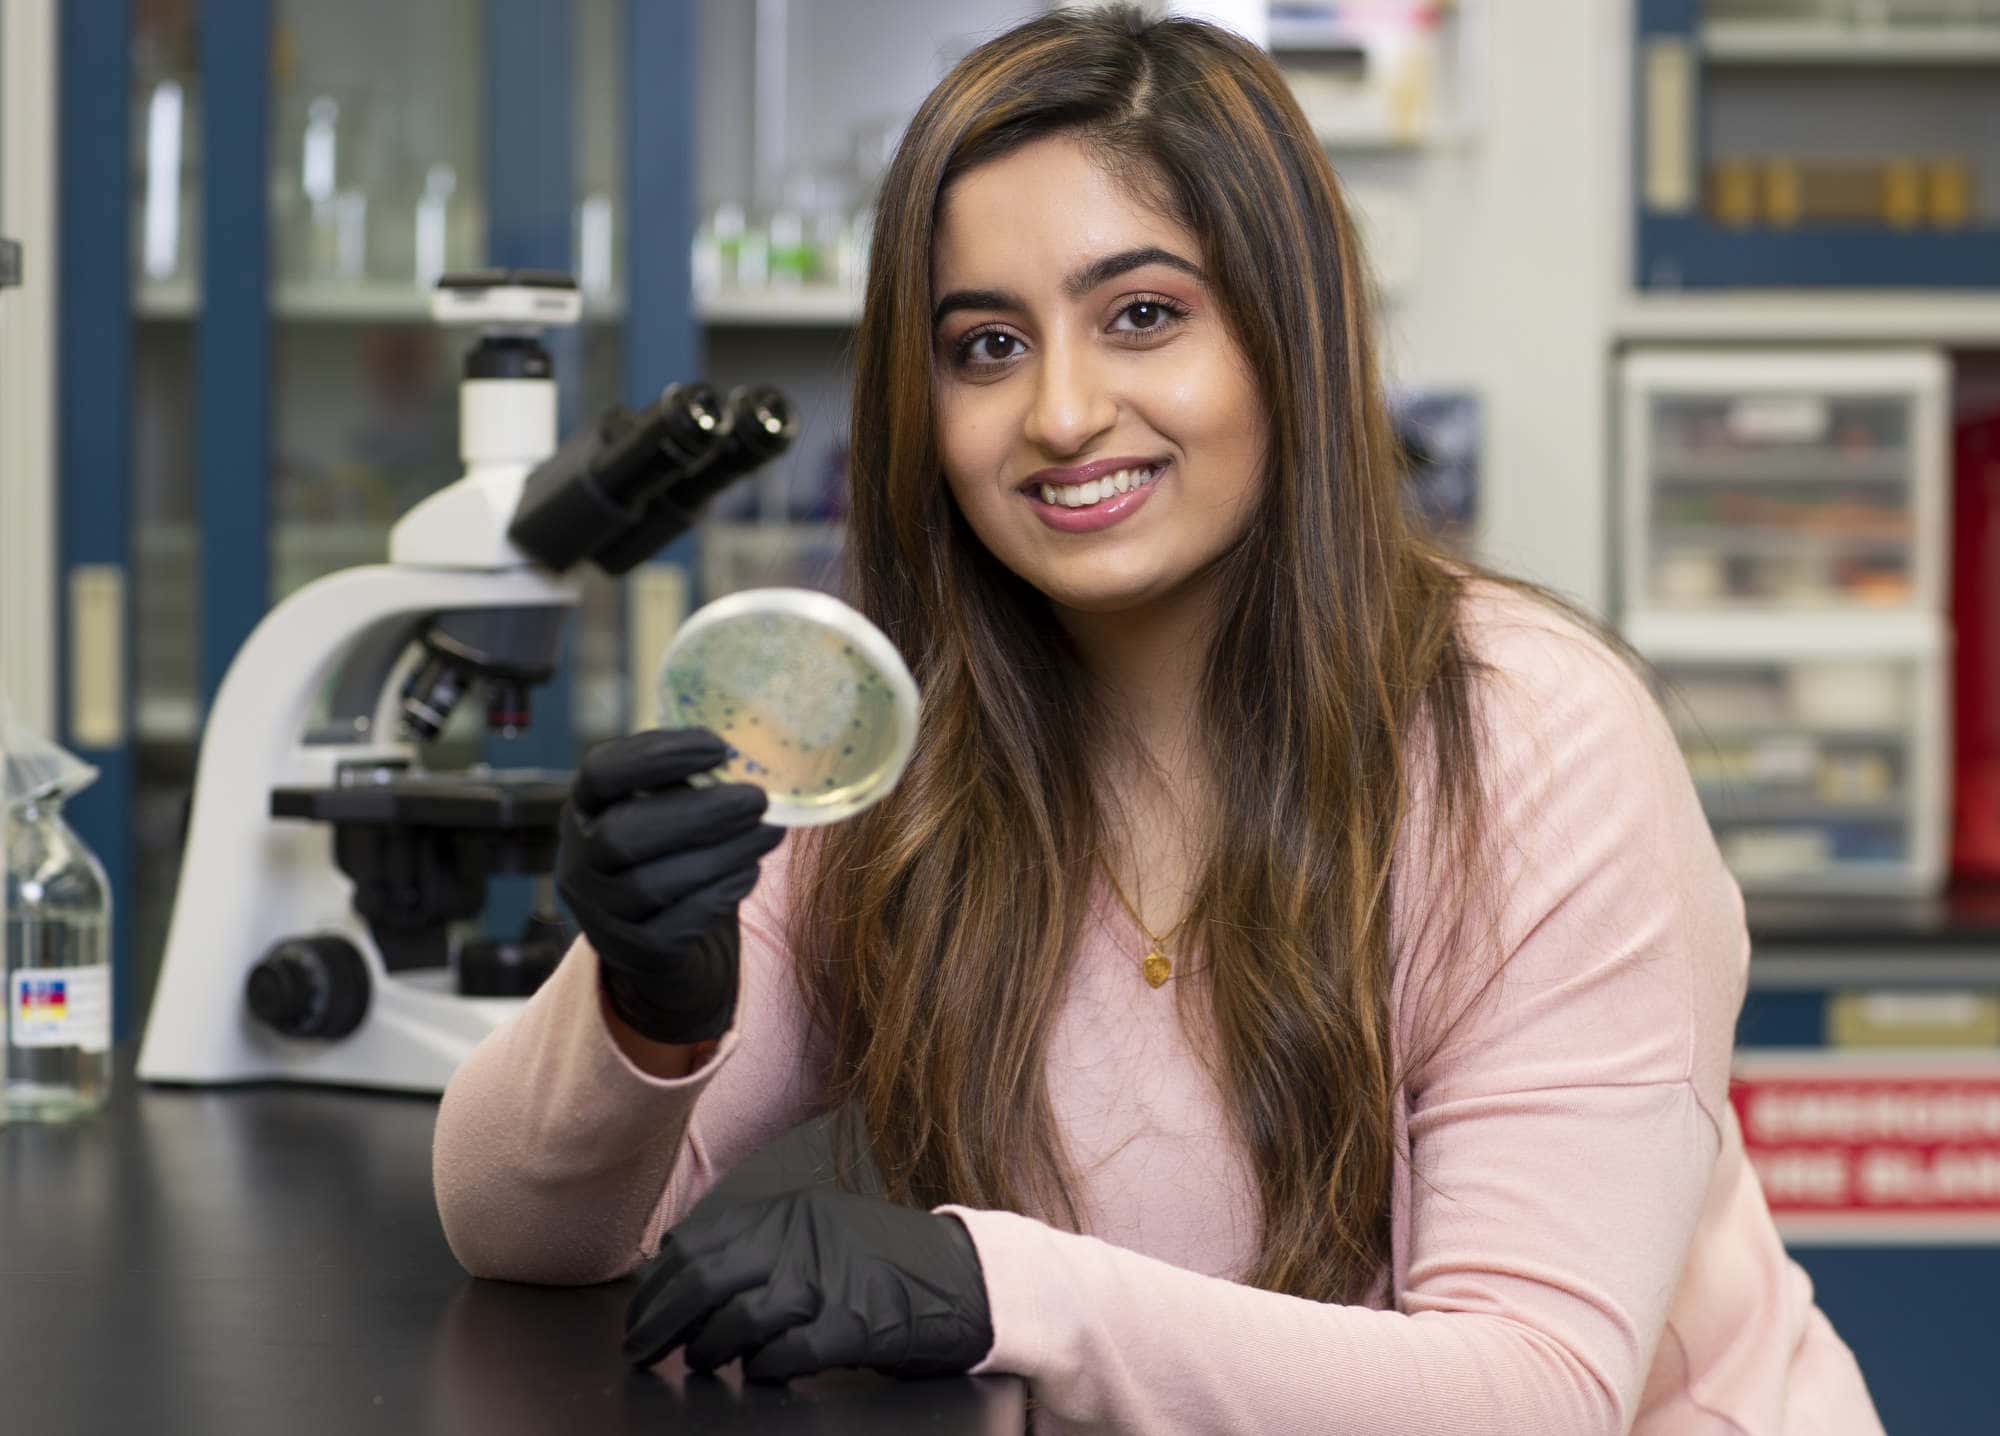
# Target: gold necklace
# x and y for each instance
(1156, 966)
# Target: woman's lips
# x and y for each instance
(1102, 514)
(1096, 469)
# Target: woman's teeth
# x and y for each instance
(1082, 496)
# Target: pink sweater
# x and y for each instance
(1583, 1248)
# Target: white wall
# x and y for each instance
(27, 360)
(1522, 242)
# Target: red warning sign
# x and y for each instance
(1872, 1147)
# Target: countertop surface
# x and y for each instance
(1964, 917)
(268, 1260)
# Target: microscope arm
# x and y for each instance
(250, 881)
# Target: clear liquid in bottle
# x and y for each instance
(55, 925)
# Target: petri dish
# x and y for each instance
(814, 701)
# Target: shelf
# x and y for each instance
(1751, 42)
(1723, 807)
(1826, 733)
(404, 303)
(1832, 606)
(1371, 141)
(167, 720)
(1954, 317)
(1792, 466)
(1841, 879)
(808, 307)
(1687, 253)
(1785, 636)
(1737, 538)
(322, 301)
(164, 299)
(1309, 29)
(1856, 934)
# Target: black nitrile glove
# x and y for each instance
(654, 869)
(810, 1280)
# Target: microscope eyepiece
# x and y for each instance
(634, 457)
(630, 483)
(759, 425)
(686, 424)
(763, 420)
(594, 488)
(762, 425)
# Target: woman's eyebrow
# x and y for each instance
(1078, 284)
(974, 299)
(1112, 265)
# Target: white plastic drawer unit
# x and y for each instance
(1784, 480)
(1819, 750)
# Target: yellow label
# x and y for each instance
(1913, 1019)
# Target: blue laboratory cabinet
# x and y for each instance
(256, 196)
(1815, 146)
(1919, 1308)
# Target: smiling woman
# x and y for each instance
(1139, 264)
(1077, 346)
(1291, 988)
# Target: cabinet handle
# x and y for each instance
(1669, 126)
(97, 655)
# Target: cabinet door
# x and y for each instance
(300, 176)
(376, 185)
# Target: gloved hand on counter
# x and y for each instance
(810, 1280)
(654, 869)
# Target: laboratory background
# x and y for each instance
(1689, 309)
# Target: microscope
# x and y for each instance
(321, 926)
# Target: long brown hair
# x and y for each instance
(934, 930)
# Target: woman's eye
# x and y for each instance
(990, 346)
(1147, 316)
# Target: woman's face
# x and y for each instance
(1078, 353)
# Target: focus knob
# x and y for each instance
(310, 987)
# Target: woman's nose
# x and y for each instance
(1072, 403)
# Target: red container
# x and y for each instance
(1975, 614)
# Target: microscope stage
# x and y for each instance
(515, 798)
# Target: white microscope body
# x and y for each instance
(251, 882)
(313, 935)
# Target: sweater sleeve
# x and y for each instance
(1561, 1131)
(556, 1160)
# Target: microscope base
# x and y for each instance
(417, 1031)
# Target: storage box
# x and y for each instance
(1784, 480)
(1819, 749)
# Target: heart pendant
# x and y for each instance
(1156, 967)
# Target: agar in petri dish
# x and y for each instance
(816, 705)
